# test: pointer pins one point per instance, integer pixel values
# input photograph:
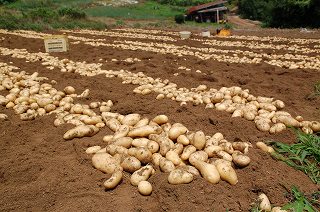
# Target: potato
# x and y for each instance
(166, 127)
(208, 171)
(307, 130)
(161, 119)
(263, 125)
(114, 149)
(131, 119)
(224, 155)
(144, 131)
(173, 157)
(264, 147)
(81, 131)
(179, 176)
(265, 204)
(227, 147)
(190, 169)
(279, 104)
(153, 146)
(156, 159)
(241, 146)
(165, 145)
(178, 148)
(145, 188)
(315, 126)
(240, 159)
(187, 151)
(114, 180)
(140, 142)
(182, 139)
(93, 149)
(288, 121)
(121, 132)
(176, 131)
(131, 164)
(166, 165)
(113, 124)
(123, 141)
(212, 150)
(142, 122)
(108, 139)
(141, 175)
(277, 209)
(199, 140)
(143, 154)
(105, 163)
(226, 172)
(104, 109)
(69, 90)
(278, 127)
(198, 155)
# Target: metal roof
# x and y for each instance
(204, 6)
(214, 9)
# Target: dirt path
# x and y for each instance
(243, 23)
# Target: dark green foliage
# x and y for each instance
(299, 202)
(72, 13)
(179, 19)
(6, 1)
(282, 13)
(303, 155)
(184, 2)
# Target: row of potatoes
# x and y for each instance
(267, 113)
(139, 145)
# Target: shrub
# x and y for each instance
(6, 1)
(72, 13)
(179, 19)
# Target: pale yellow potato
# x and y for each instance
(161, 119)
(131, 164)
(224, 155)
(240, 159)
(198, 155)
(113, 124)
(145, 188)
(226, 172)
(153, 146)
(69, 90)
(142, 122)
(105, 162)
(93, 149)
(212, 150)
(264, 147)
(182, 139)
(81, 131)
(114, 180)
(199, 140)
(143, 154)
(123, 141)
(227, 147)
(114, 149)
(173, 157)
(121, 132)
(264, 204)
(176, 131)
(187, 151)
(131, 119)
(179, 176)
(144, 131)
(166, 165)
(140, 142)
(141, 174)
(208, 171)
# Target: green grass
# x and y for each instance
(304, 155)
(143, 11)
(299, 202)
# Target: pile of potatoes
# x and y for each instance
(123, 34)
(267, 113)
(139, 146)
(29, 98)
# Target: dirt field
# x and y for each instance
(40, 171)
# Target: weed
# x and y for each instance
(304, 155)
(299, 202)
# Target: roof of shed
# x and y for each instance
(203, 6)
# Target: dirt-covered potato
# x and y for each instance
(144, 131)
(240, 160)
(93, 149)
(161, 119)
(105, 163)
(226, 172)
(208, 171)
(264, 204)
(173, 157)
(123, 141)
(131, 164)
(142, 174)
(114, 180)
(166, 165)
(81, 131)
(179, 176)
(187, 151)
(131, 119)
(199, 140)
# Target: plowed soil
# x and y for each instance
(40, 171)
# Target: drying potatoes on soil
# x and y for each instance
(156, 144)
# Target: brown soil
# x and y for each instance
(40, 171)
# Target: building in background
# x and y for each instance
(210, 12)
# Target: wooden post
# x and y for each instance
(217, 16)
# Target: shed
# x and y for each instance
(209, 12)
